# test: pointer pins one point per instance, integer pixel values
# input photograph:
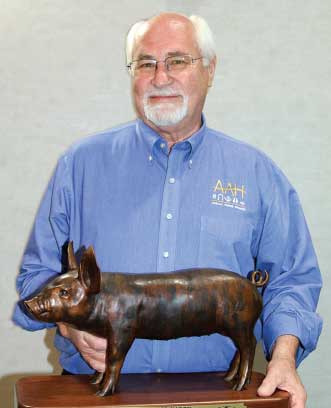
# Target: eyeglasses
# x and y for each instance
(148, 66)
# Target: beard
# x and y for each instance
(165, 113)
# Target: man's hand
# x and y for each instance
(282, 374)
(92, 348)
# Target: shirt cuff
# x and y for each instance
(279, 324)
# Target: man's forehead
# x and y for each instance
(168, 38)
(146, 55)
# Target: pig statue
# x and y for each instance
(121, 307)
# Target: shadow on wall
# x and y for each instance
(260, 363)
(7, 382)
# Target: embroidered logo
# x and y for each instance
(229, 195)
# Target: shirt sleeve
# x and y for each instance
(43, 254)
(286, 252)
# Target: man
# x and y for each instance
(165, 192)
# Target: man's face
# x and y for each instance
(170, 98)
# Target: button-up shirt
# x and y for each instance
(211, 201)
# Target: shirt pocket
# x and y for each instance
(225, 242)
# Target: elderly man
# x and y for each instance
(165, 192)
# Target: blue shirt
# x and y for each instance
(211, 202)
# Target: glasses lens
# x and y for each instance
(148, 66)
(178, 62)
(143, 66)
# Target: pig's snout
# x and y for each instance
(38, 307)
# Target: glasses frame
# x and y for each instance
(192, 60)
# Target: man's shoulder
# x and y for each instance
(111, 138)
(233, 150)
(235, 146)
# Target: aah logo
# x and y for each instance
(229, 195)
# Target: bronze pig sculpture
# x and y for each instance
(121, 307)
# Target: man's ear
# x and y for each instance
(211, 71)
(72, 263)
(89, 273)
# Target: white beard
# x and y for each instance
(165, 113)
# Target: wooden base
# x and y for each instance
(207, 390)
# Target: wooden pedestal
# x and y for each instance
(206, 390)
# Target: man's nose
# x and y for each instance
(161, 75)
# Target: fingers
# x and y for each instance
(97, 343)
(282, 375)
(63, 329)
(95, 359)
(92, 348)
(268, 387)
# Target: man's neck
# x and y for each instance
(175, 133)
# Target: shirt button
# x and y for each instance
(169, 216)
(172, 180)
(162, 145)
(165, 254)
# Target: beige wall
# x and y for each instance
(62, 77)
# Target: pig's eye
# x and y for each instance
(64, 293)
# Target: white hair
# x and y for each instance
(203, 34)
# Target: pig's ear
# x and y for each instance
(72, 263)
(89, 272)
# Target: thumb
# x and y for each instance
(268, 387)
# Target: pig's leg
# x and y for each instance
(117, 348)
(246, 346)
(251, 359)
(234, 367)
(96, 378)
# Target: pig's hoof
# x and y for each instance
(100, 393)
(106, 391)
(238, 387)
(230, 376)
(96, 378)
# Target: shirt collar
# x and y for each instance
(150, 137)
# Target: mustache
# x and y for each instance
(163, 92)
